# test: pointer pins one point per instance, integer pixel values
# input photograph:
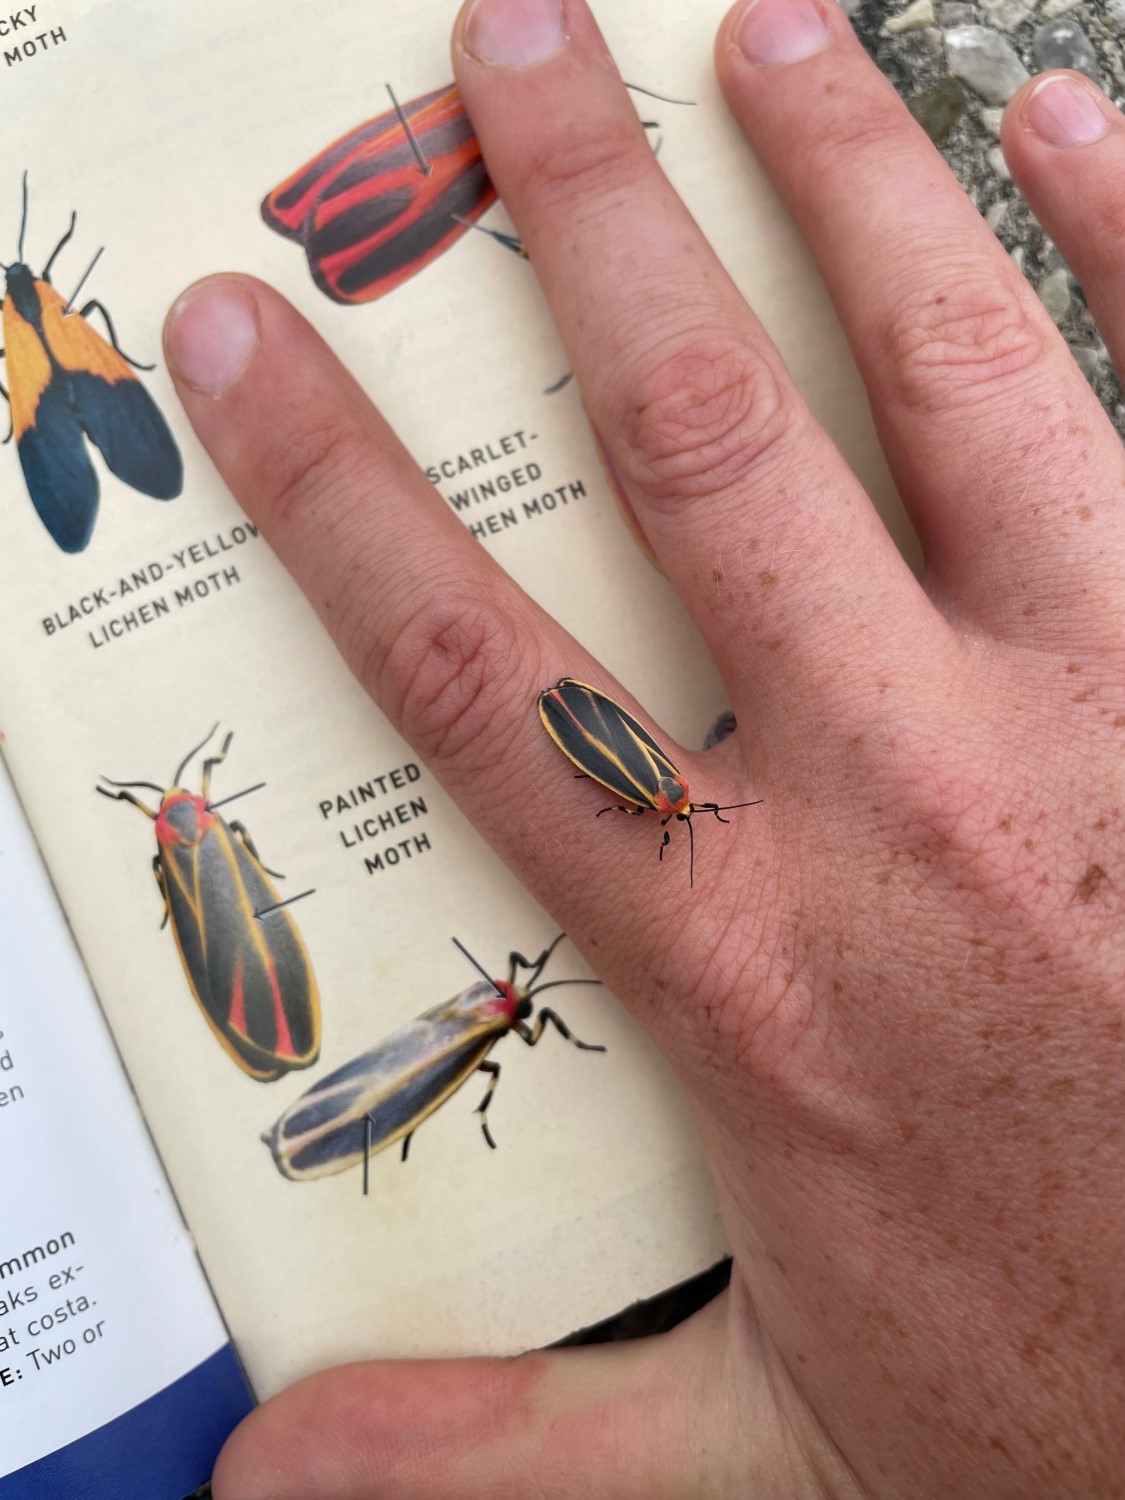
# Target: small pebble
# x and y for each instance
(1063, 44)
(1007, 14)
(938, 108)
(1018, 257)
(997, 214)
(1055, 8)
(934, 39)
(914, 18)
(998, 164)
(992, 118)
(1054, 293)
(851, 7)
(1088, 359)
(1119, 414)
(985, 61)
(956, 14)
(1115, 10)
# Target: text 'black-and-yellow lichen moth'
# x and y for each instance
(607, 744)
(67, 384)
(383, 1095)
(241, 950)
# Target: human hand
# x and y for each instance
(897, 1003)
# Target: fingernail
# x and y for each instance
(1065, 112)
(515, 33)
(781, 31)
(211, 335)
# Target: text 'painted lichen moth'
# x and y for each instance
(241, 950)
(383, 1095)
(67, 384)
(607, 744)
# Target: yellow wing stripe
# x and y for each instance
(29, 368)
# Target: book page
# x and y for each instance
(116, 1374)
(153, 632)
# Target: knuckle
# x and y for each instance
(580, 162)
(704, 420)
(949, 347)
(446, 678)
(854, 141)
(309, 467)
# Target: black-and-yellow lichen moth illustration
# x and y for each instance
(67, 384)
(240, 947)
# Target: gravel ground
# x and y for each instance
(956, 65)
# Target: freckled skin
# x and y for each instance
(896, 997)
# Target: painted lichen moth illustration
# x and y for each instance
(382, 1096)
(608, 745)
(241, 950)
(67, 384)
(386, 199)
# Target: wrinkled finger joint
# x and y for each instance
(315, 464)
(447, 679)
(955, 346)
(705, 420)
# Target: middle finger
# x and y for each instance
(755, 517)
(1000, 449)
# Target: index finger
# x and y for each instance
(448, 645)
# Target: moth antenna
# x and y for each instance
(734, 806)
(150, 786)
(23, 220)
(635, 88)
(193, 753)
(558, 984)
(691, 855)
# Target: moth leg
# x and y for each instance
(162, 887)
(532, 1034)
(215, 760)
(251, 847)
(8, 399)
(493, 1069)
(633, 812)
(406, 1144)
(712, 807)
(67, 237)
(95, 306)
(664, 842)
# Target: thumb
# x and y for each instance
(680, 1415)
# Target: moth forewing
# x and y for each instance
(394, 1086)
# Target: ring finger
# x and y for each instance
(999, 447)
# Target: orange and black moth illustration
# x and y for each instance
(241, 950)
(385, 200)
(67, 385)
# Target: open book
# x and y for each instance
(155, 658)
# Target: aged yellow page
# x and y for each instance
(138, 609)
